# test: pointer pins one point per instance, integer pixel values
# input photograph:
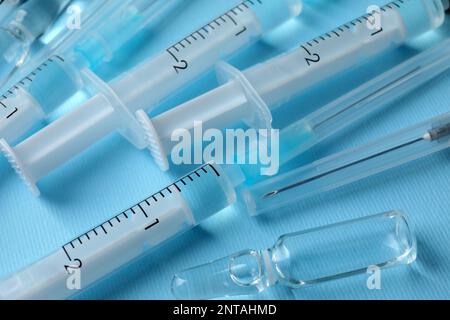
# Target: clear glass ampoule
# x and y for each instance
(304, 258)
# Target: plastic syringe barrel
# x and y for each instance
(359, 103)
(27, 101)
(35, 95)
(34, 17)
(101, 43)
(149, 84)
(126, 237)
(98, 45)
(280, 78)
(141, 88)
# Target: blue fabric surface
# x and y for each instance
(113, 175)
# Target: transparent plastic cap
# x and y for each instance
(12, 50)
(305, 258)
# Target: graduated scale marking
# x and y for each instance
(207, 31)
(139, 208)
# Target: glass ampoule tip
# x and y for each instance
(243, 273)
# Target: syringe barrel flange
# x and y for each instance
(260, 116)
(131, 129)
(256, 114)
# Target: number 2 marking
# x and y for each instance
(77, 266)
(182, 66)
(313, 57)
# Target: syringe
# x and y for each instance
(34, 96)
(356, 105)
(27, 23)
(332, 252)
(250, 95)
(349, 166)
(187, 202)
(114, 108)
(125, 237)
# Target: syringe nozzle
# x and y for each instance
(438, 132)
(446, 5)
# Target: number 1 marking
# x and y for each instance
(12, 113)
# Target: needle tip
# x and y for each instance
(427, 136)
(270, 194)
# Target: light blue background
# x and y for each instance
(112, 175)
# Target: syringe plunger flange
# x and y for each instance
(17, 165)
